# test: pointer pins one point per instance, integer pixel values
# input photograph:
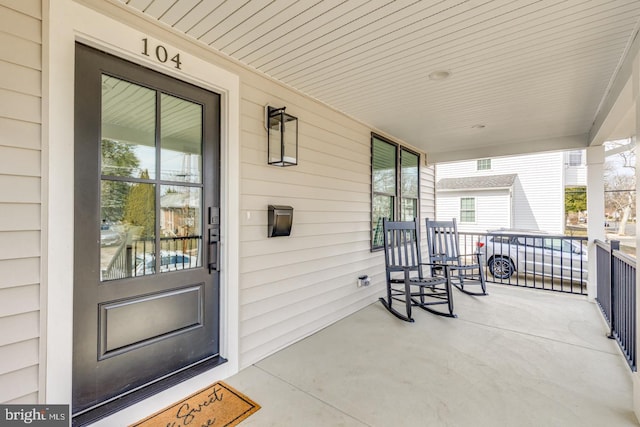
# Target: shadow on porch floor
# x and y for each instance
(514, 358)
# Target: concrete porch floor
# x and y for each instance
(517, 357)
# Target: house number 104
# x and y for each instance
(161, 53)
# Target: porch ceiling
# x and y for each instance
(534, 73)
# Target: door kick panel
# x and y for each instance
(128, 324)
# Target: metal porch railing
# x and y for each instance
(559, 263)
(137, 257)
(538, 261)
(616, 287)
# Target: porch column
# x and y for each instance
(595, 210)
(635, 79)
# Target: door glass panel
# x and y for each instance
(127, 231)
(180, 227)
(181, 140)
(130, 179)
(128, 129)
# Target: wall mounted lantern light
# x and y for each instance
(282, 137)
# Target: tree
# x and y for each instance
(118, 159)
(620, 182)
(575, 199)
(140, 207)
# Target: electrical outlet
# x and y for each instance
(364, 281)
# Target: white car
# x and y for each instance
(109, 236)
(534, 252)
(169, 261)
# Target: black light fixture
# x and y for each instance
(282, 137)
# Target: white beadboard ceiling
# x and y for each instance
(532, 72)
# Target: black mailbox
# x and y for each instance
(280, 220)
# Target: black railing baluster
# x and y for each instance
(615, 279)
(615, 245)
(616, 296)
(533, 260)
(137, 257)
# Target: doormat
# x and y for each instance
(217, 405)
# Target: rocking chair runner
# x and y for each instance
(444, 250)
(405, 280)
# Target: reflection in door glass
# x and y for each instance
(181, 140)
(129, 245)
(127, 230)
(128, 129)
(180, 227)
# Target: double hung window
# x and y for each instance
(468, 209)
(395, 176)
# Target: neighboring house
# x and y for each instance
(73, 72)
(524, 192)
(575, 168)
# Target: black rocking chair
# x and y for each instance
(405, 280)
(444, 250)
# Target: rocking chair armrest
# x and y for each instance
(399, 268)
(463, 267)
(473, 254)
(476, 255)
(434, 264)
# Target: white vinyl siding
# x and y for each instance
(427, 191)
(293, 286)
(537, 194)
(575, 176)
(492, 209)
(427, 199)
(575, 172)
(20, 199)
(289, 287)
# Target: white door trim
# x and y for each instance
(64, 23)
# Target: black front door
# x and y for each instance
(146, 286)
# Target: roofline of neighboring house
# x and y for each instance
(484, 182)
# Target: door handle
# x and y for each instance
(214, 253)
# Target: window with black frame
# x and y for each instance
(409, 194)
(395, 185)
